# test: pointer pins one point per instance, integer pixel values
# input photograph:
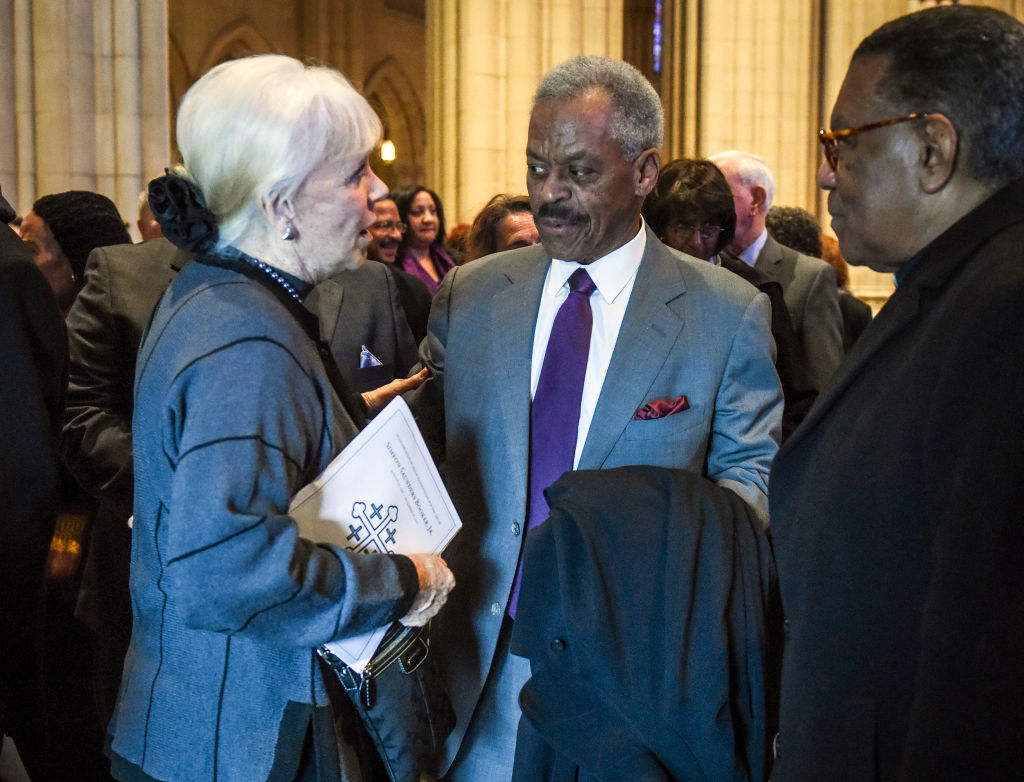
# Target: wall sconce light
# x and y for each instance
(387, 151)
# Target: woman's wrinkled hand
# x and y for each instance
(436, 581)
(379, 397)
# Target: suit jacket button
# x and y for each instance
(516, 529)
(558, 645)
(785, 627)
(495, 609)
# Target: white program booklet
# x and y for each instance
(382, 493)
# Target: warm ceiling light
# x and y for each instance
(387, 151)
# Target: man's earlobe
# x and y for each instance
(758, 197)
(647, 165)
(938, 156)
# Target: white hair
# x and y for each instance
(752, 170)
(144, 203)
(253, 129)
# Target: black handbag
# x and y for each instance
(402, 700)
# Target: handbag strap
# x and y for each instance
(408, 646)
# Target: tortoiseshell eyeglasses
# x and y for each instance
(829, 138)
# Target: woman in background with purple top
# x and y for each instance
(422, 252)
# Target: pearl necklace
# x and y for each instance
(276, 277)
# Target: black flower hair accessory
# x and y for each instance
(178, 205)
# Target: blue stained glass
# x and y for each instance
(657, 37)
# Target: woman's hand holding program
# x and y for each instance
(436, 581)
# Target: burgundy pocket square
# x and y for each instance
(661, 408)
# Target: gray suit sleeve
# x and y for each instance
(96, 443)
(748, 411)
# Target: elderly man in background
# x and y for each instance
(661, 360)
(147, 223)
(808, 284)
(896, 506)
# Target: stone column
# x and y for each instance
(89, 107)
(761, 76)
(759, 85)
(844, 25)
(484, 60)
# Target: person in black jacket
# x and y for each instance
(33, 354)
(895, 507)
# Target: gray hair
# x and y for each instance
(254, 129)
(637, 120)
(752, 170)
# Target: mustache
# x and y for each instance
(561, 213)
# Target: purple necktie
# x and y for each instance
(555, 414)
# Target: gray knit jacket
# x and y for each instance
(234, 412)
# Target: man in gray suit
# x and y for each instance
(679, 373)
(808, 284)
(362, 320)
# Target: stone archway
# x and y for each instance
(238, 40)
(392, 95)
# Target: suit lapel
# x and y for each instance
(769, 258)
(649, 329)
(331, 292)
(512, 328)
(178, 260)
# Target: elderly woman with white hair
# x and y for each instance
(238, 405)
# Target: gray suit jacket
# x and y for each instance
(123, 283)
(105, 326)
(360, 309)
(690, 328)
(809, 288)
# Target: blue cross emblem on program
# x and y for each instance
(372, 528)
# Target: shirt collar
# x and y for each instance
(749, 256)
(610, 272)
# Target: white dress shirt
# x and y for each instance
(749, 256)
(613, 276)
